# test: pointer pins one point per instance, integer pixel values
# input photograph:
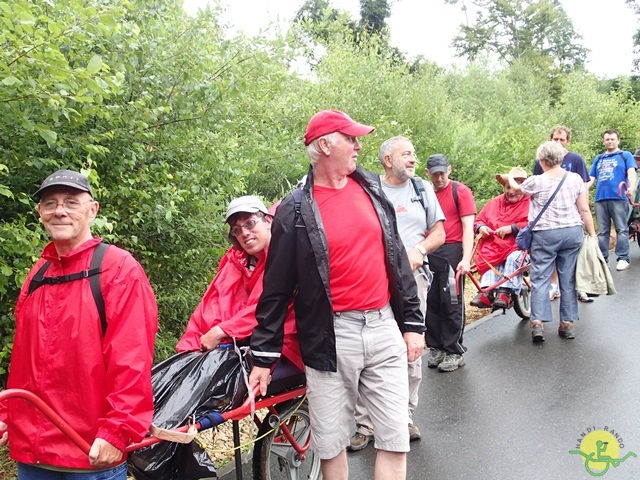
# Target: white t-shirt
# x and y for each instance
(413, 224)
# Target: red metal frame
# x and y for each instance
(236, 414)
(523, 267)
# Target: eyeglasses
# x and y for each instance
(248, 225)
(69, 205)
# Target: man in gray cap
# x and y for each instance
(445, 320)
(86, 321)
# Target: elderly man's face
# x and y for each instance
(344, 153)
(510, 194)
(66, 215)
(403, 160)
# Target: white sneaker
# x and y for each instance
(554, 292)
(622, 265)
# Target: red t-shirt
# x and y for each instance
(466, 206)
(357, 273)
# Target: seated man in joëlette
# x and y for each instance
(497, 255)
(228, 307)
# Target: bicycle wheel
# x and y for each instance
(522, 302)
(273, 456)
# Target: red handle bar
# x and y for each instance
(48, 412)
(235, 414)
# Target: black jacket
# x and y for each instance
(298, 266)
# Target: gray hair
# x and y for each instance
(313, 150)
(387, 147)
(550, 153)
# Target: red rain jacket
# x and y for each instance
(100, 386)
(230, 302)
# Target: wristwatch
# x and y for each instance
(422, 250)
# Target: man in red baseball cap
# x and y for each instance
(335, 249)
(329, 121)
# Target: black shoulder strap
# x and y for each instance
(454, 191)
(93, 274)
(297, 198)
(419, 192)
(38, 279)
(94, 283)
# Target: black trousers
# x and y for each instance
(445, 318)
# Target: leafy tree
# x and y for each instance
(536, 31)
(322, 24)
(374, 14)
(635, 4)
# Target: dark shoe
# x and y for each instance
(482, 300)
(537, 331)
(451, 362)
(566, 330)
(503, 298)
(434, 357)
(414, 433)
(358, 442)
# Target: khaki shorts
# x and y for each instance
(372, 363)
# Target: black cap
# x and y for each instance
(637, 153)
(437, 163)
(67, 178)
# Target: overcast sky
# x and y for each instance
(427, 26)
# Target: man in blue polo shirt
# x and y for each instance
(609, 170)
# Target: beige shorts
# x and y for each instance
(372, 363)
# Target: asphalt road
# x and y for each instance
(517, 409)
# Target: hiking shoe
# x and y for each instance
(583, 297)
(358, 441)
(503, 299)
(537, 331)
(414, 433)
(434, 357)
(622, 265)
(482, 300)
(554, 292)
(566, 330)
(451, 362)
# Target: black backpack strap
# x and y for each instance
(454, 191)
(419, 191)
(93, 274)
(297, 198)
(38, 279)
(94, 283)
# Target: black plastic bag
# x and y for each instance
(188, 384)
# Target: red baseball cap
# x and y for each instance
(329, 121)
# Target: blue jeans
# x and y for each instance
(618, 211)
(560, 247)
(31, 472)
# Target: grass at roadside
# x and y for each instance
(7, 466)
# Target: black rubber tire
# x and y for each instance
(522, 302)
(274, 458)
